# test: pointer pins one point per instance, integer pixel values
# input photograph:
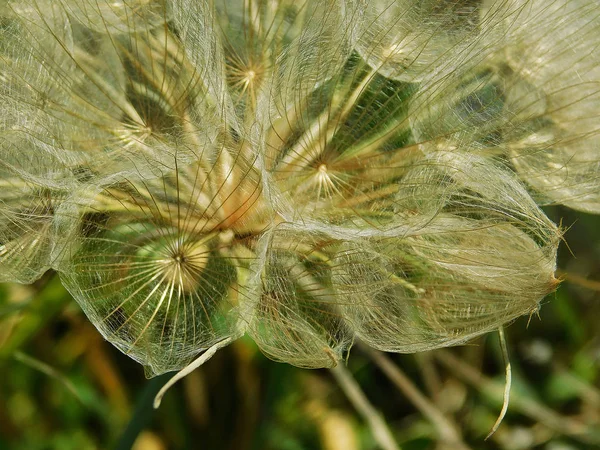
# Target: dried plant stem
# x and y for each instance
(379, 428)
(507, 384)
(579, 280)
(525, 405)
(209, 353)
(430, 375)
(448, 431)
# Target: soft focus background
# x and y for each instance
(63, 387)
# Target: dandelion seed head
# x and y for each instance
(302, 172)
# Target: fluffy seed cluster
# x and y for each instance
(305, 172)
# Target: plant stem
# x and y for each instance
(447, 431)
(525, 405)
(143, 412)
(379, 428)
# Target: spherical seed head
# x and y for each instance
(305, 173)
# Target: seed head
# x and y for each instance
(304, 172)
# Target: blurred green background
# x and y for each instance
(63, 387)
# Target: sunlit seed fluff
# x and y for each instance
(306, 173)
(556, 147)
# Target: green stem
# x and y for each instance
(143, 412)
